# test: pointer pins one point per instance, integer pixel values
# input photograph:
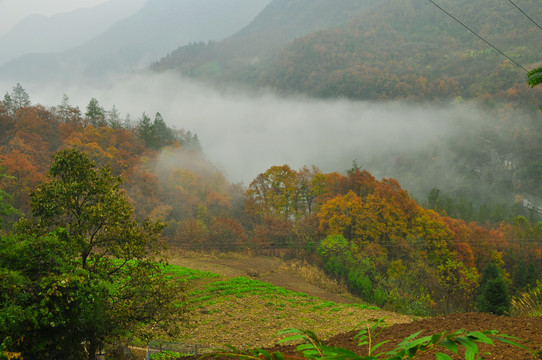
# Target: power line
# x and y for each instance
(523, 12)
(478, 36)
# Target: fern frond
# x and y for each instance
(534, 77)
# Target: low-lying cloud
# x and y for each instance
(244, 133)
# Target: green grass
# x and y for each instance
(186, 274)
(242, 311)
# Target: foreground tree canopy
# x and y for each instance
(71, 273)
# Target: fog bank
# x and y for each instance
(244, 134)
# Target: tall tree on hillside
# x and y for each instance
(68, 113)
(109, 245)
(95, 113)
(18, 99)
(156, 134)
(113, 118)
(493, 296)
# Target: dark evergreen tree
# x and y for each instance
(493, 296)
(20, 97)
(95, 114)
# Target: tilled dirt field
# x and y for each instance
(527, 330)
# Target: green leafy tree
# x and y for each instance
(534, 78)
(108, 244)
(459, 282)
(47, 306)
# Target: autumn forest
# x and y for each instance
(369, 232)
(437, 211)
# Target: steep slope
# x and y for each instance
(161, 25)
(39, 34)
(243, 55)
(411, 49)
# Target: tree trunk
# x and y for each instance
(92, 349)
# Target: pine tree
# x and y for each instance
(493, 295)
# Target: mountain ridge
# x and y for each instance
(246, 52)
(160, 26)
(37, 33)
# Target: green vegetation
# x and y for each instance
(166, 355)
(276, 297)
(69, 278)
(527, 303)
(493, 296)
(411, 347)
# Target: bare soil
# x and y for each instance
(527, 330)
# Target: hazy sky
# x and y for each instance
(13, 11)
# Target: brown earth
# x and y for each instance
(528, 330)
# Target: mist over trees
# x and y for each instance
(366, 231)
(439, 212)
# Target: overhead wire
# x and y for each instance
(478, 36)
(524, 13)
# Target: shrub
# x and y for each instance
(528, 303)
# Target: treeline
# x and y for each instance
(386, 247)
(368, 232)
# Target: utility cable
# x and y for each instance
(478, 36)
(523, 12)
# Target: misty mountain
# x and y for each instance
(373, 50)
(411, 49)
(158, 27)
(42, 34)
(245, 54)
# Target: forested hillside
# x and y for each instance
(368, 232)
(387, 50)
(411, 49)
(242, 56)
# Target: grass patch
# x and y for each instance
(246, 312)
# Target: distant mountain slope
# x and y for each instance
(161, 25)
(244, 54)
(373, 50)
(38, 34)
(411, 49)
